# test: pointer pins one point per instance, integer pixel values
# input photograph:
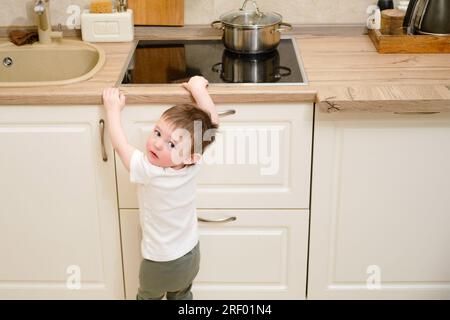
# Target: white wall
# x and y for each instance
(20, 13)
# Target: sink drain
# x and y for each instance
(7, 62)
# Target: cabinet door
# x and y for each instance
(261, 158)
(380, 207)
(59, 230)
(260, 255)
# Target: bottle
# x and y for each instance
(403, 5)
(385, 4)
(374, 19)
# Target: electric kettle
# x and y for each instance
(428, 17)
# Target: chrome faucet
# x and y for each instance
(41, 8)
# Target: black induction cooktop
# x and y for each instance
(175, 61)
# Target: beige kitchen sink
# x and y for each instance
(61, 62)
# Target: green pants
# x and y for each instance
(173, 278)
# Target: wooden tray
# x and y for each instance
(409, 43)
(157, 12)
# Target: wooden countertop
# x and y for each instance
(344, 73)
(349, 74)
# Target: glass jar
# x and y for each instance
(385, 4)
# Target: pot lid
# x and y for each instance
(250, 18)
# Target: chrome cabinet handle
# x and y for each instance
(226, 113)
(417, 112)
(102, 138)
(229, 219)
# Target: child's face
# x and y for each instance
(168, 146)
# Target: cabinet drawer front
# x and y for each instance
(259, 255)
(260, 159)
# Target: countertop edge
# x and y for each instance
(164, 95)
(330, 93)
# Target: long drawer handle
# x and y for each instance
(229, 219)
(417, 112)
(102, 138)
(226, 113)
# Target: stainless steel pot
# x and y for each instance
(251, 32)
(257, 68)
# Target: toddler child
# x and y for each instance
(165, 175)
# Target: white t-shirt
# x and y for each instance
(167, 208)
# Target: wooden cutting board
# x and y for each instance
(157, 12)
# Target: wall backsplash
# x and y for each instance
(20, 12)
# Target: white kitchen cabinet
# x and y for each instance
(380, 209)
(258, 170)
(261, 158)
(59, 224)
(260, 255)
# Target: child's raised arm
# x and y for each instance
(114, 102)
(197, 86)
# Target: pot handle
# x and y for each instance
(215, 23)
(286, 73)
(216, 68)
(287, 25)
